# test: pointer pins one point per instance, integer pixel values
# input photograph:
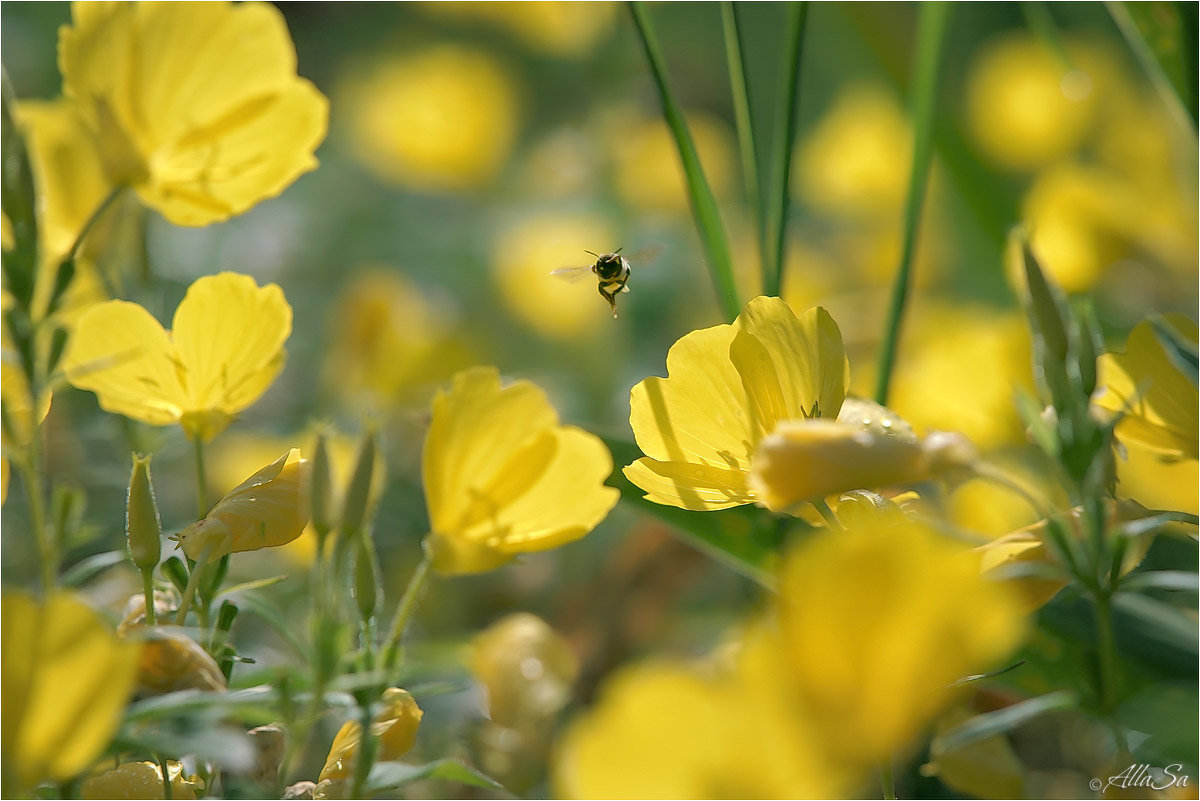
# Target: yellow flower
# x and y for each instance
(526, 252)
(224, 350)
(1025, 108)
(526, 669)
(727, 387)
(395, 725)
(503, 477)
(141, 780)
(195, 105)
(268, 509)
(879, 624)
(565, 29)
(441, 118)
(173, 661)
(66, 680)
(855, 162)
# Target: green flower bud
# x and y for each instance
(358, 493)
(142, 525)
(366, 577)
(322, 489)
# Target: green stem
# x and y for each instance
(148, 591)
(704, 203)
(827, 513)
(31, 473)
(785, 137)
(1107, 650)
(404, 612)
(109, 199)
(367, 746)
(201, 480)
(887, 781)
(193, 579)
(740, 92)
(931, 33)
(168, 790)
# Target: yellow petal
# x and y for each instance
(141, 780)
(120, 352)
(229, 333)
(698, 412)
(803, 357)
(1158, 399)
(475, 428)
(689, 485)
(268, 509)
(66, 680)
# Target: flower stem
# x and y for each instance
(148, 591)
(1107, 650)
(109, 199)
(703, 202)
(404, 611)
(886, 780)
(781, 164)
(201, 480)
(193, 579)
(931, 30)
(31, 473)
(827, 513)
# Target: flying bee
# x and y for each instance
(612, 271)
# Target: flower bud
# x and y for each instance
(142, 525)
(141, 780)
(172, 661)
(526, 668)
(395, 725)
(358, 493)
(366, 577)
(322, 488)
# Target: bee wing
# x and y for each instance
(572, 274)
(644, 256)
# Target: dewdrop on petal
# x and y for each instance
(270, 508)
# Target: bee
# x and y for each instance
(612, 271)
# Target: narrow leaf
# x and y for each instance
(1163, 37)
(1004, 720)
(392, 775)
(84, 571)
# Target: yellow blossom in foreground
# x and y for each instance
(66, 680)
(224, 350)
(268, 509)
(141, 780)
(1025, 107)
(526, 252)
(503, 477)
(439, 118)
(197, 106)
(727, 387)
(395, 725)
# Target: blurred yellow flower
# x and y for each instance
(1025, 107)
(803, 460)
(268, 509)
(878, 626)
(1157, 399)
(855, 161)
(727, 387)
(197, 106)
(224, 350)
(142, 780)
(958, 370)
(1159, 429)
(525, 253)
(647, 170)
(66, 680)
(19, 423)
(566, 29)
(173, 661)
(526, 669)
(503, 477)
(442, 118)
(395, 725)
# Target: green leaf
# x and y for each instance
(1181, 351)
(256, 584)
(1004, 720)
(17, 197)
(703, 202)
(1166, 712)
(1163, 37)
(737, 538)
(84, 571)
(392, 775)
(1163, 580)
(1152, 628)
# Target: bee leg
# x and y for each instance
(625, 288)
(611, 297)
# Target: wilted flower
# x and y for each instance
(197, 106)
(141, 780)
(395, 725)
(173, 661)
(727, 387)
(66, 680)
(503, 477)
(224, 350)
(268, 509)
(441, 118)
